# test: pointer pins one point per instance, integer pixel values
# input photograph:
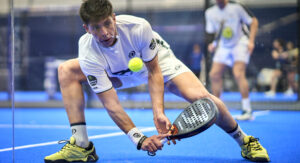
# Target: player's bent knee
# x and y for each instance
(199, 96)
(63, 72)
(70, 71)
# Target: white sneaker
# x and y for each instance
(270, 93)
(289, 92)
(246, 115)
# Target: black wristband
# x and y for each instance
(139, 145)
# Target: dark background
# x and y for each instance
(57, 36)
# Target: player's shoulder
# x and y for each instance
(130, 20)
(87, 46)
(212, 8)
(234, 4)
(85, 39)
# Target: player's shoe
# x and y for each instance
(70, 152)
(253, 150)
(270, 93)
(246, 115)
(289, 92)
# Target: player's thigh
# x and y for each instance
(70, 71)
(188, 86)
(217, 69)
(240, 52)
(223, 55)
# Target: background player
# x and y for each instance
(104, 52)
(232, 47)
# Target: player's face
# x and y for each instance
(104, 31)
(221, 3)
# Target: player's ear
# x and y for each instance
(86, 28)
(114, 16)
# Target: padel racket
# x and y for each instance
(194, 119)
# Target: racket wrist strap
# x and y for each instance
(140, 143)
(137, 137)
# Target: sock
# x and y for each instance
(237, 134)
(246, 105)
(80, 134)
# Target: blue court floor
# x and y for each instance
(38, 130)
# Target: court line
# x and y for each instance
(257, 113)
(36, 126)
(261, 113)
(148, 129)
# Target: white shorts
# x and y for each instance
(229, 55)
(170, 67)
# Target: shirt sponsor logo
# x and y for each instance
(123, 73)
(177, 67)
(92, 80)
(152, 44)
(131, 54)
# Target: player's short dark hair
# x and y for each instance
(95, 10)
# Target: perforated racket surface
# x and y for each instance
(194, 119)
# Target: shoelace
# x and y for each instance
(67, 145)
(253, 144)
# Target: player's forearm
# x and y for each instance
(110, 101)
(253, 30)
(156, 89)
(120, 117)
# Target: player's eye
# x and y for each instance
(97, 27)
(107, 23)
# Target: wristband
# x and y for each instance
(135, 135)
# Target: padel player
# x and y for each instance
(104, 52)
(232, 47)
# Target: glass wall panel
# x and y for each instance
(46, 36)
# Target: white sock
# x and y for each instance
(246, 105)
(79, 132)
(238, 135)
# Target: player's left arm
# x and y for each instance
(149, 49)
(249, 18)
(156, 90)
(252, 35)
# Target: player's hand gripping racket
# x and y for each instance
(194, 119)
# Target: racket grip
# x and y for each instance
(163, 141)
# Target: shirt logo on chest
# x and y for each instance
(131, 54)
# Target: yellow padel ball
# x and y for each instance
(135, 64)
(227, 33)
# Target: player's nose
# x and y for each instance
(103, 33)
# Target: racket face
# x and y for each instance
(196, 118)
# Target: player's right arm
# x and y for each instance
(210, 32)
(112, 104)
